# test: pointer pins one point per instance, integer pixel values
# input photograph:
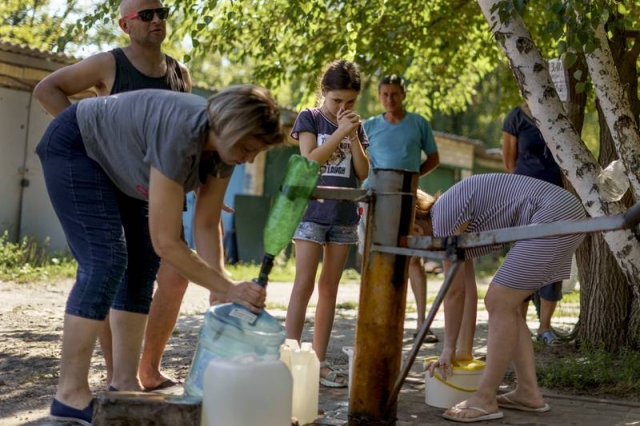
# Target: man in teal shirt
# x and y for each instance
(397, 140)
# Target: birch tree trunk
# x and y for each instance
(616, 109)
(624, 53)
(604, 294)
(578, 165)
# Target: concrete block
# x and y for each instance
(146, 409)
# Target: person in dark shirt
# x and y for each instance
(525, 152)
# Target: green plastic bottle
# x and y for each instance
(286, 213)
(299, 181)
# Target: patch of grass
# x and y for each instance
(28, 260)
(571, 298)
(482, 292)
(487, 266)
(350, 275)
(276, 306)
(568, 306)
(248, 271)
(284, 270)
(594, 371)
(347, 305)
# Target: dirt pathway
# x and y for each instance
(31, 317)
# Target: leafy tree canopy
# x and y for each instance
(30, 23)
(38, 25)
(444, 48)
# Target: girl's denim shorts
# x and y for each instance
(326, 234)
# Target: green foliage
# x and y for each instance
(30, 23)
(293, 40)
(492, 98)
(103, 14)
(349, 306)
(27, 260)
(37, 25)
(594, 371)
(444, 48)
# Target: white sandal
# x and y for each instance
(331, 380)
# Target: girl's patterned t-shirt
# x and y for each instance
(338, 171)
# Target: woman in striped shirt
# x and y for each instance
(484, 203)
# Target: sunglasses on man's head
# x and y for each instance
(147, 14)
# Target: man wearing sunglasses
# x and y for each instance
(140, 65)
(146, 15)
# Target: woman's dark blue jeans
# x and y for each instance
(107, 231)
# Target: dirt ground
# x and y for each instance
(31, 328)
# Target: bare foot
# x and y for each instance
(157, 381)
(128, 383)
(523, 403)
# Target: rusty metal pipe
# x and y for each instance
(383, 290)
(411, 357)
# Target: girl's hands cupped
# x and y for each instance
(348, 120)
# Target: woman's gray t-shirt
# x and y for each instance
(127, 133)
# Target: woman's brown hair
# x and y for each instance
(242, 110)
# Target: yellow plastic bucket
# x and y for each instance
(457, 388)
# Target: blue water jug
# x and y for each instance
(230, 330)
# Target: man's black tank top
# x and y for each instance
(128, 77)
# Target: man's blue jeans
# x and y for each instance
(107, 231)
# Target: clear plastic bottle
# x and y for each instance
(613, 182)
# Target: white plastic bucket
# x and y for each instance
(457, 388)
(349, 351)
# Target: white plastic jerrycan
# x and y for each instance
(246, 390)
(305, 369)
